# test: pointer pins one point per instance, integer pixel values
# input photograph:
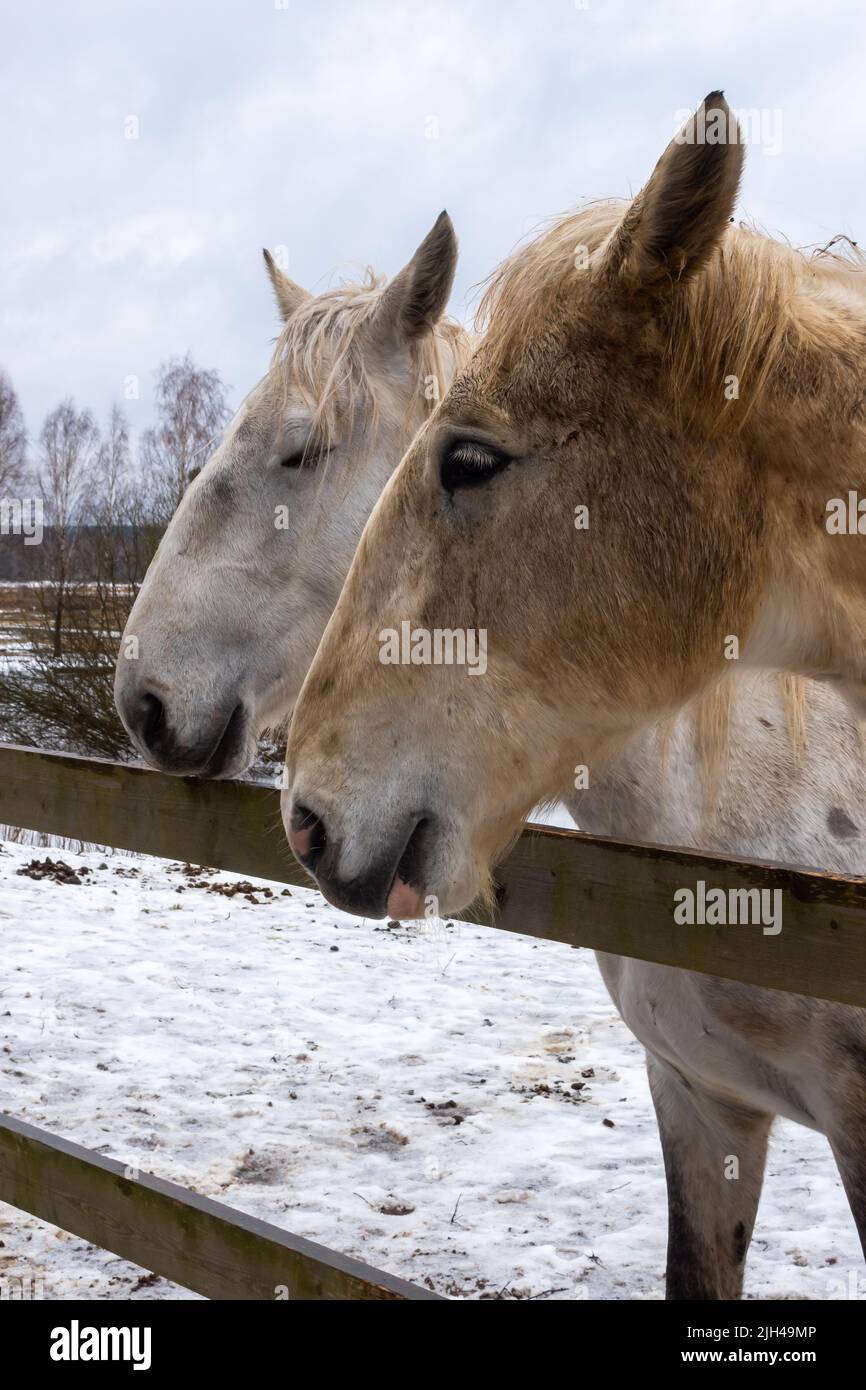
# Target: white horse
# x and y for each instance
(230, 614)
(247, 574)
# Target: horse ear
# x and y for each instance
(415, 300)
(289, 296)
(678, 218)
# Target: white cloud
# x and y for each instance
(309, 127)
(154, 240)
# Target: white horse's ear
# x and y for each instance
(289, 296)
(676, 221)
(415, 300)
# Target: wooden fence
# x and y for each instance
(556, 884)
(172, 1231)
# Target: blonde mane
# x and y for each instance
(322, 352)
(738, 316)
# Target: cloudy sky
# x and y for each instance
(339, 130)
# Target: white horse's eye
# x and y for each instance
(307, 457)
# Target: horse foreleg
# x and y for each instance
(714, 1162)
(847, 1137)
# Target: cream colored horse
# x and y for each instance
(694, 391)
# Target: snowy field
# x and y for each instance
(458, 1105)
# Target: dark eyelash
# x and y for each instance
(471, 456)
(308, 457)
(468, 463)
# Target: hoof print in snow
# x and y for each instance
(381, 1138)
(394, 1208)
(267, 1168)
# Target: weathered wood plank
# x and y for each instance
(618, 897)
(226, 825)
(198, 1243)
(563, 885)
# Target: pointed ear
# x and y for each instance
(678, 218)
(289, 296)
(415, 300)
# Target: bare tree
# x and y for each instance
(103, 520)
(122, 534)
(92, 573)
(70, 451)
(109, 512)
(113, 464)
(13, 439)
(192, 410)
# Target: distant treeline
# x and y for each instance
(96, 508)
(23, 563)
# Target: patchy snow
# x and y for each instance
(455, 1104)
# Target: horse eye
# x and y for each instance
(468, 463)
(302, 458)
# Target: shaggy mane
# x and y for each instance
(735, 317)
(321, 351)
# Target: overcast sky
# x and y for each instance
(339, 130)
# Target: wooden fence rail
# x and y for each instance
(557, 884)
(201, 1244)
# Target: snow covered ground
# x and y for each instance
(458, 1105)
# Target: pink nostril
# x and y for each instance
(301, 841)
(306, 836)
(404, 901)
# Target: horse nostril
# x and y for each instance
(307, 835)
(153, 719)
